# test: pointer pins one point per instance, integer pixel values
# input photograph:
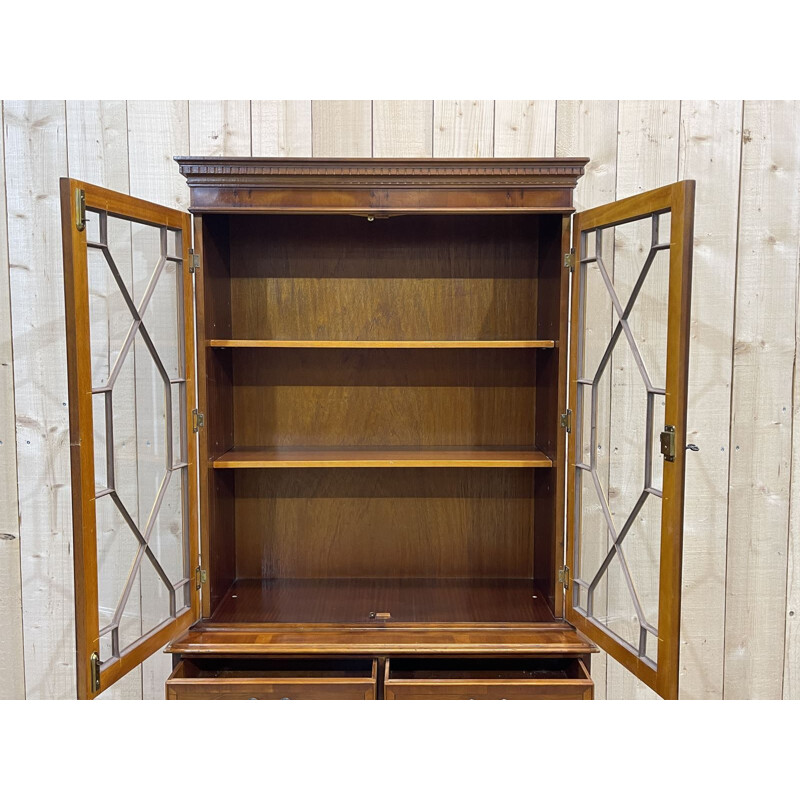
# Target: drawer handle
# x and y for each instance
(380, 615)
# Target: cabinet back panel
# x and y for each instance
(383, 397)
(406, 277)
(405, 522)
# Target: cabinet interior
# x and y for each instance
(381, 416)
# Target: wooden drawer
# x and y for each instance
(273, 679)
(487, 679)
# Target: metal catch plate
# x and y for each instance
(668, 443)
(94, 669)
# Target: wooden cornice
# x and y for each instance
(310, 173)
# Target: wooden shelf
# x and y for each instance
(408, 344)
(407, 600)
(260, 457)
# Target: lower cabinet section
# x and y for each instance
(273, 679)
(487, 679)
(403, 678)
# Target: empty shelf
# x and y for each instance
(409, 600)
(409, 344)
(260, 457)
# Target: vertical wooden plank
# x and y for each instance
(761, 431)
(219, 128)
(36, 155)
(157, 131)
(341, 128)
(791, 650)
(710, 149)
(463, 128)
(12, 666)
(97, 146)
(402, 128)
(281, 128)
(589, 128)
(647, 157)
(524, 128)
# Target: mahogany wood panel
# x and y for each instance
(383, 639)
(487, 679)
(409, 600)
(551, 402)
(215, 375)
(408, 277)
(415, 522)
(274, 457)
(384, 398)
(208, 199)
(246, 679)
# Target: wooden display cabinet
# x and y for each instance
(398, 488)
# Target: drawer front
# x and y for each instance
(296, 680)
(516, 679)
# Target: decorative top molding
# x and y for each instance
(256, 173)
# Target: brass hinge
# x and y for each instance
(563, 576)
(569, 260)
(194, 261)
(94, 671)
(566, 420)
(80, 209)
(201, 577)
(198, 421)
(668, 443)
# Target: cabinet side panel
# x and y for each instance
(215, 398)
(550, 404)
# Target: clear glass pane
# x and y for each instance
(178, 430)
(151, 416)
(92, 225)
(619, 616)
(99, 425)
(116, 553)
(657, 463)
(174, 243)
(597, 318)
(649, 317)
(155, 598)
(166, 538)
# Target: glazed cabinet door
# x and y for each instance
(629, 343)
(130, 362)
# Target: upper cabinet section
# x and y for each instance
(381, 187)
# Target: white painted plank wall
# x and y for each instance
(36, 156)
(12, 667)
(740, 634)
(709, 152)
(764, 356)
